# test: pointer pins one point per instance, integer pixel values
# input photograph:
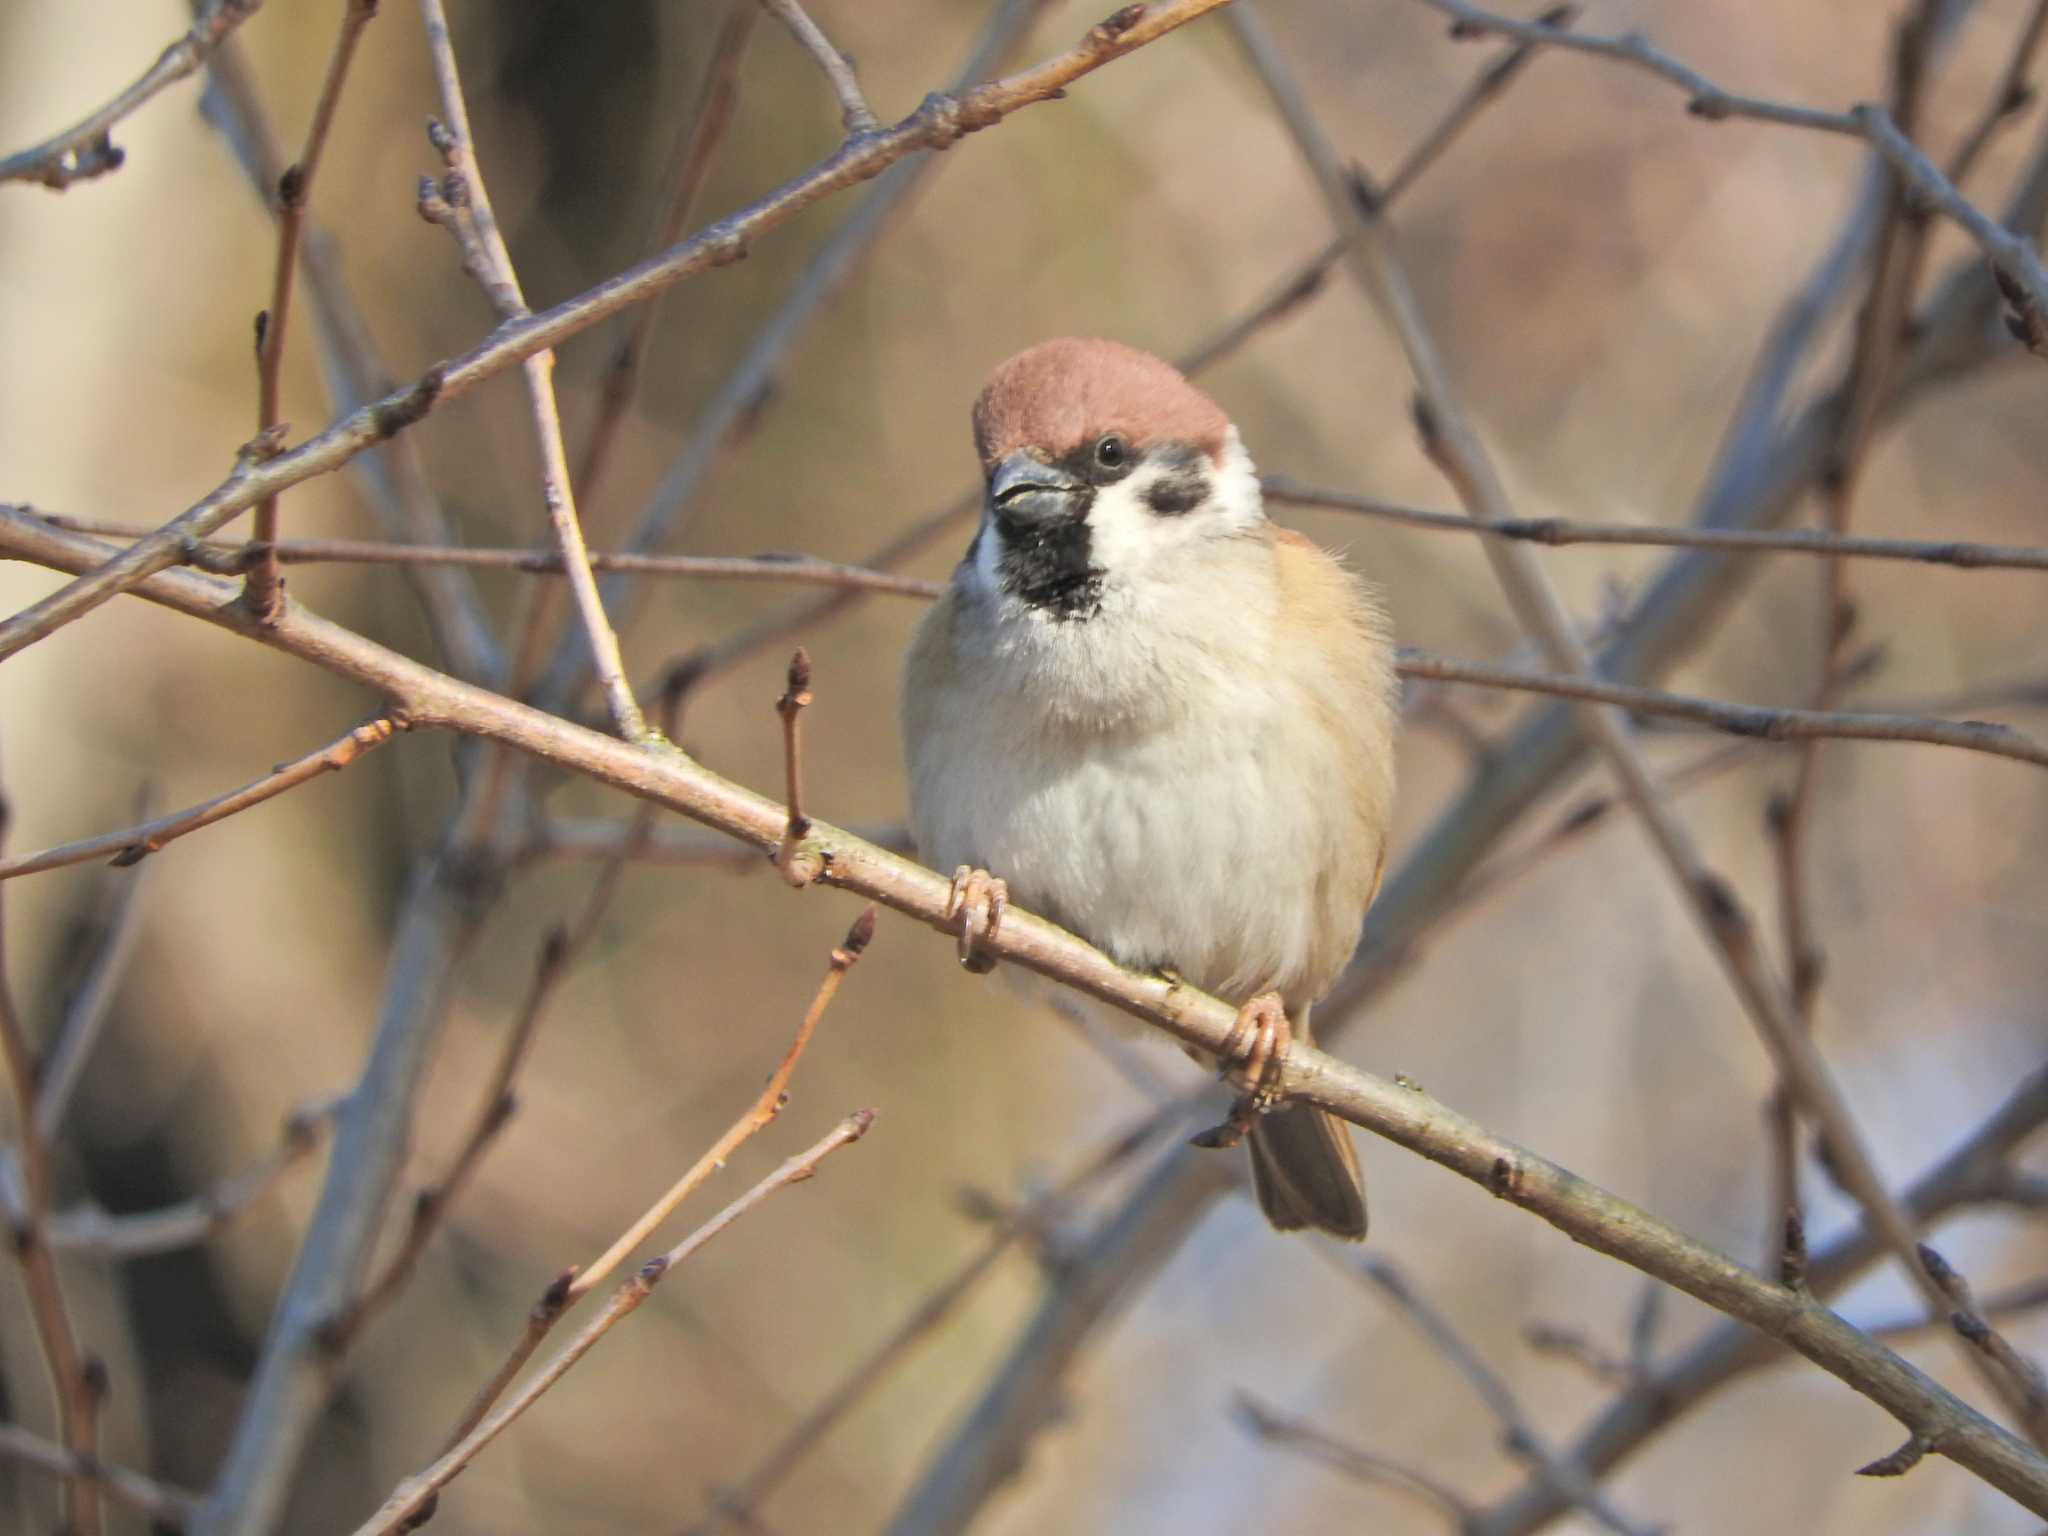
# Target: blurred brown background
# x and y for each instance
(1600, 268)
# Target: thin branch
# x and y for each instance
(294, 188)
(138, 1234)
(131, 845)
(416, 1496)
(1522, 1436)
(64, 1063)
(1360, 1466)
(493, 264)
(1970, 1325)
(1759, 721)
(2011, 256)
(76, 1381)
(1963, 555)
(942, 121)
(838, 69)
(573, 1285)
(166, 1505)
(739, 1503)
(86, 149)
(798, 866)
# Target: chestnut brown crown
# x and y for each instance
(1053, 398)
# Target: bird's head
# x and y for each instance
(1105, 470)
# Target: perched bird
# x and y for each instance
(1166, 724)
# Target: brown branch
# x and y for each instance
(2012, 257)
(167, 1506)
(854, 111)
(1361, 1466)
(415, 1498)
(940, 122)
(138, 1234)
(86, 149)
(468, 201)
(133, 844)
(1759, 721)
(572, 1285)
(76, 1381)
(798, 866)
(294, 189)
(739, 1503)
(1555, 531)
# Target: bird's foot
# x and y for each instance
(976, 909)
(1253, 1055)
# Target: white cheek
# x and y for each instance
(987, 549)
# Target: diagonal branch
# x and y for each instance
(1398, 1111)
(854, 111)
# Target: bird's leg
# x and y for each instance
(1254, 1055)
(976, 906)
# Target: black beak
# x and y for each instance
(1028, 494)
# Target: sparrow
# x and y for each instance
(1166, 724)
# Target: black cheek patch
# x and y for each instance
(1179, 491)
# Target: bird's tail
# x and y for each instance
(1305, 1169)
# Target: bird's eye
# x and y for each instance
(1111, 452)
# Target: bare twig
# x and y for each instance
(166, 1505)
(1766, 724)
(941, 121)
(838, 69)
(573, 1285)
(418, 1493)
(1561, 531)
(86, 149)
(1359, 1465)
(493, 268)
(137, 1234)
(76, 1381)
(133, 844)
(294, 188)
(798, 865)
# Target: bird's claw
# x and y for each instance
(976, 907)
(1254, 1055)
